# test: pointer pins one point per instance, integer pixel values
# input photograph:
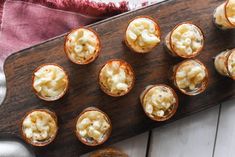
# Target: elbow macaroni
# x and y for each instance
(50, 81)
(142, 34)
(220, 63)
(39, 126)
(231, 11)
(186, 39)
(93, 126)
(225, 18)
(225, 63)
(158, 101)
(116, 77)
(82, 45)
(231, 63)
(190, 75)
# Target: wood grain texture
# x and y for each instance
(193, 136)
(126, 113)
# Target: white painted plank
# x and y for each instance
(134, 147)
(2, 86)
(190, 137)
(225, 142)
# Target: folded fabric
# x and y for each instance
(1, 9)
(94, 8)
(25, 24)
(86, 7)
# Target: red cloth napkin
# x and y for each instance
(25, 24)
(86, 7)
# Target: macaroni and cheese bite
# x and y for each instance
(224, 15)
(82, 46)
(225, 63)
(50, 82)
(186, 40)
(116, 78)
(159, 102)
(39, 127)
(142, 34)
(190, 77)
(93, 127)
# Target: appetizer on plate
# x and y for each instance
(50, 82)
(39, 127)
(225, 63)
(93, 127)
(224, 15)
(82, 45)
(142, 34)
(159, 102)
(190, 77)
(186, 40)
(116, 78)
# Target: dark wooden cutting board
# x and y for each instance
(126, 114)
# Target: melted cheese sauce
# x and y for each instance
(231, 11)
(82, 45)
(220, 15)
(186, 40)
(231, 63)
(39, 126)
(190, 75)
(93, 126)
(142, 34)
(116, 77)
(50, 81)
(220, 63)
(159, 101)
